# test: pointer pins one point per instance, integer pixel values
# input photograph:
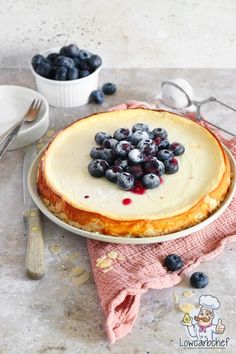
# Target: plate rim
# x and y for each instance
(31, 180)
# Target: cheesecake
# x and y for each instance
(94, 204)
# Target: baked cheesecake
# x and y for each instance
(182, 199)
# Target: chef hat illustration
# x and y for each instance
(210, 302)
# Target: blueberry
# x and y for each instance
(84, 54)
(173, 262)
(52, 57)
(150, 181)
(113, 172)
(84, 73)
(177, 148)
(108, 155)
(73, 74)
(140, 126)
(154, 166)
(96, 153)
(53, 71)
(122, 134)
(84, 65)
(122, 148)
(136, 171)
(96, 96)
(63, 51)
(160, 132)
(164, 144)
(94, 62)
(61, 73)
(64, 61)
(199, 280)
(147, 146)
(100, 137)
(139, 135)
(125, 181)
(72, 51)
(110, 143)
(37, 59)
(122, 163)
(135, 157)
(76, 62)
(109, 88)
(44, 69)
(151, 135)
(171, 166)
(164, 155)
(97, 168)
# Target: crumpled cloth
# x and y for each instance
(121, 288)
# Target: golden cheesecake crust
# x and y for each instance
(143, 227)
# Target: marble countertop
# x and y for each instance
(60, 314)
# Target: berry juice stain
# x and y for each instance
(86, 196)
(161, 180)
(126, 201)
(138, 189)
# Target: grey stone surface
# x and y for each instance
(54, 315)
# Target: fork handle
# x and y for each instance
(10, 138)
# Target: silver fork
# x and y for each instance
(29, 116)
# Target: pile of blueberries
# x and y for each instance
(70, 63)
(139, 155)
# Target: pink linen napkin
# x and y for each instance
(141, 266)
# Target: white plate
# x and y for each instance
(14, 102)
(127, 240)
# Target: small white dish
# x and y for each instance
(127, 240)
(70, 93)
(14, 103)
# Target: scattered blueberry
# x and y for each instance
(96, 96)
(171, 166)
(73, 74)
(199, 280)
(135, 157)
(164, 155)
(125, 181)
(84, 54)
(160, 132)
(155, 166)
(84, 73)
(64, 61)
(173, 262)
(43, 69)
(122, 148)
(97, 168)
(140, 126)
(122, 134)
(72, 51)
(94, 62)
(113, 172)
(96, 153)
(177, 148)
(61, 73)
(122, 163)
(139, 135)
(109, 143)
(37, 59)
(109, 88)
(136, 171)
(100, 137)
(150, 181)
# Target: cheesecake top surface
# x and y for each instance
(201, 167)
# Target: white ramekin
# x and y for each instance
(71, 93)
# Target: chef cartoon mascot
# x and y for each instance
(204, 328)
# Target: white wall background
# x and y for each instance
(126, 33)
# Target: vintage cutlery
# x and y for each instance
(30, 116)
(35, 264)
